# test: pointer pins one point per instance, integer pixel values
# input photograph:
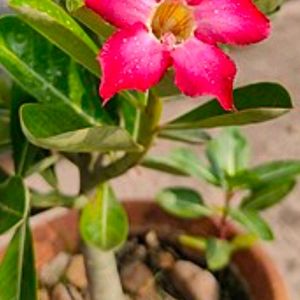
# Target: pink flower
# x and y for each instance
(153, 35)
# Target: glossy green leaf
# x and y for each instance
(183, 203)
(218, 253)
(52, 21)
(17, 272)
(24, 154)
(255, 103)
(55, 126)
(14, 203)
(46, 73)
(228, 154)
(189, 136)
(268, 195)
(104, 222)
(252, 221)
(182, 161)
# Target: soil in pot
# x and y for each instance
(151, 268)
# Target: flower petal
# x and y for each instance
(232, 22)
(132, 59)
(203, 69)
(122, 13)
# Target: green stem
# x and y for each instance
(145, 134)
(223, 224)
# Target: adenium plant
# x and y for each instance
(50, 109)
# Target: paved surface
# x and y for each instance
(277, 59)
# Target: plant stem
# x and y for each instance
(102, 272)
(223, 224)
(145, 134)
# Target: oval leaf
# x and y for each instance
(183, 203)
(104, 222)
(252, 221)
(255, 103)
(268, 195)
(52, 21)
(57, 127)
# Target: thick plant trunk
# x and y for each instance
(104, 280)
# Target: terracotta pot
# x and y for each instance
(56, 230)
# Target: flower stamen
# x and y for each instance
(173, 17)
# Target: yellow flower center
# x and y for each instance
(173, 17)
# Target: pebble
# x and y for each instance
(60, 292)
(151, 239)
(43, 294)
(52, 272)
(194, 282)
(138, 280)
(76, 272)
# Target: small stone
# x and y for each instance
(60, 292)
(151, 239)
(194, 282)
(43, 294)
(139, 281)
(76, 272)
(165, 260)
(74, 293)
(53, 271)
(140, 252)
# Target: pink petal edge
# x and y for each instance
(131, 59)
(236, 22)
(203, 69)
(122, 13)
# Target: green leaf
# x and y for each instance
(218, 253)
(89, 18)
(46, 73)
(163, 164)
(274, 171)
(252, 221)
(243, 241)
(17, 272)
(268, 6)
(228, 154)
(183, 203)
(55, 126)
(255, 103)
(182, 161)
(190, 136)
(53, 199)
(52, 21)
(268, 195)
(104, 222)
(4, 128)
(24, 154)
(14, 201)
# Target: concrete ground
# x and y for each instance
(277, 59)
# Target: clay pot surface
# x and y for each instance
(57, 230)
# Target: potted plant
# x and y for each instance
(52, 110)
